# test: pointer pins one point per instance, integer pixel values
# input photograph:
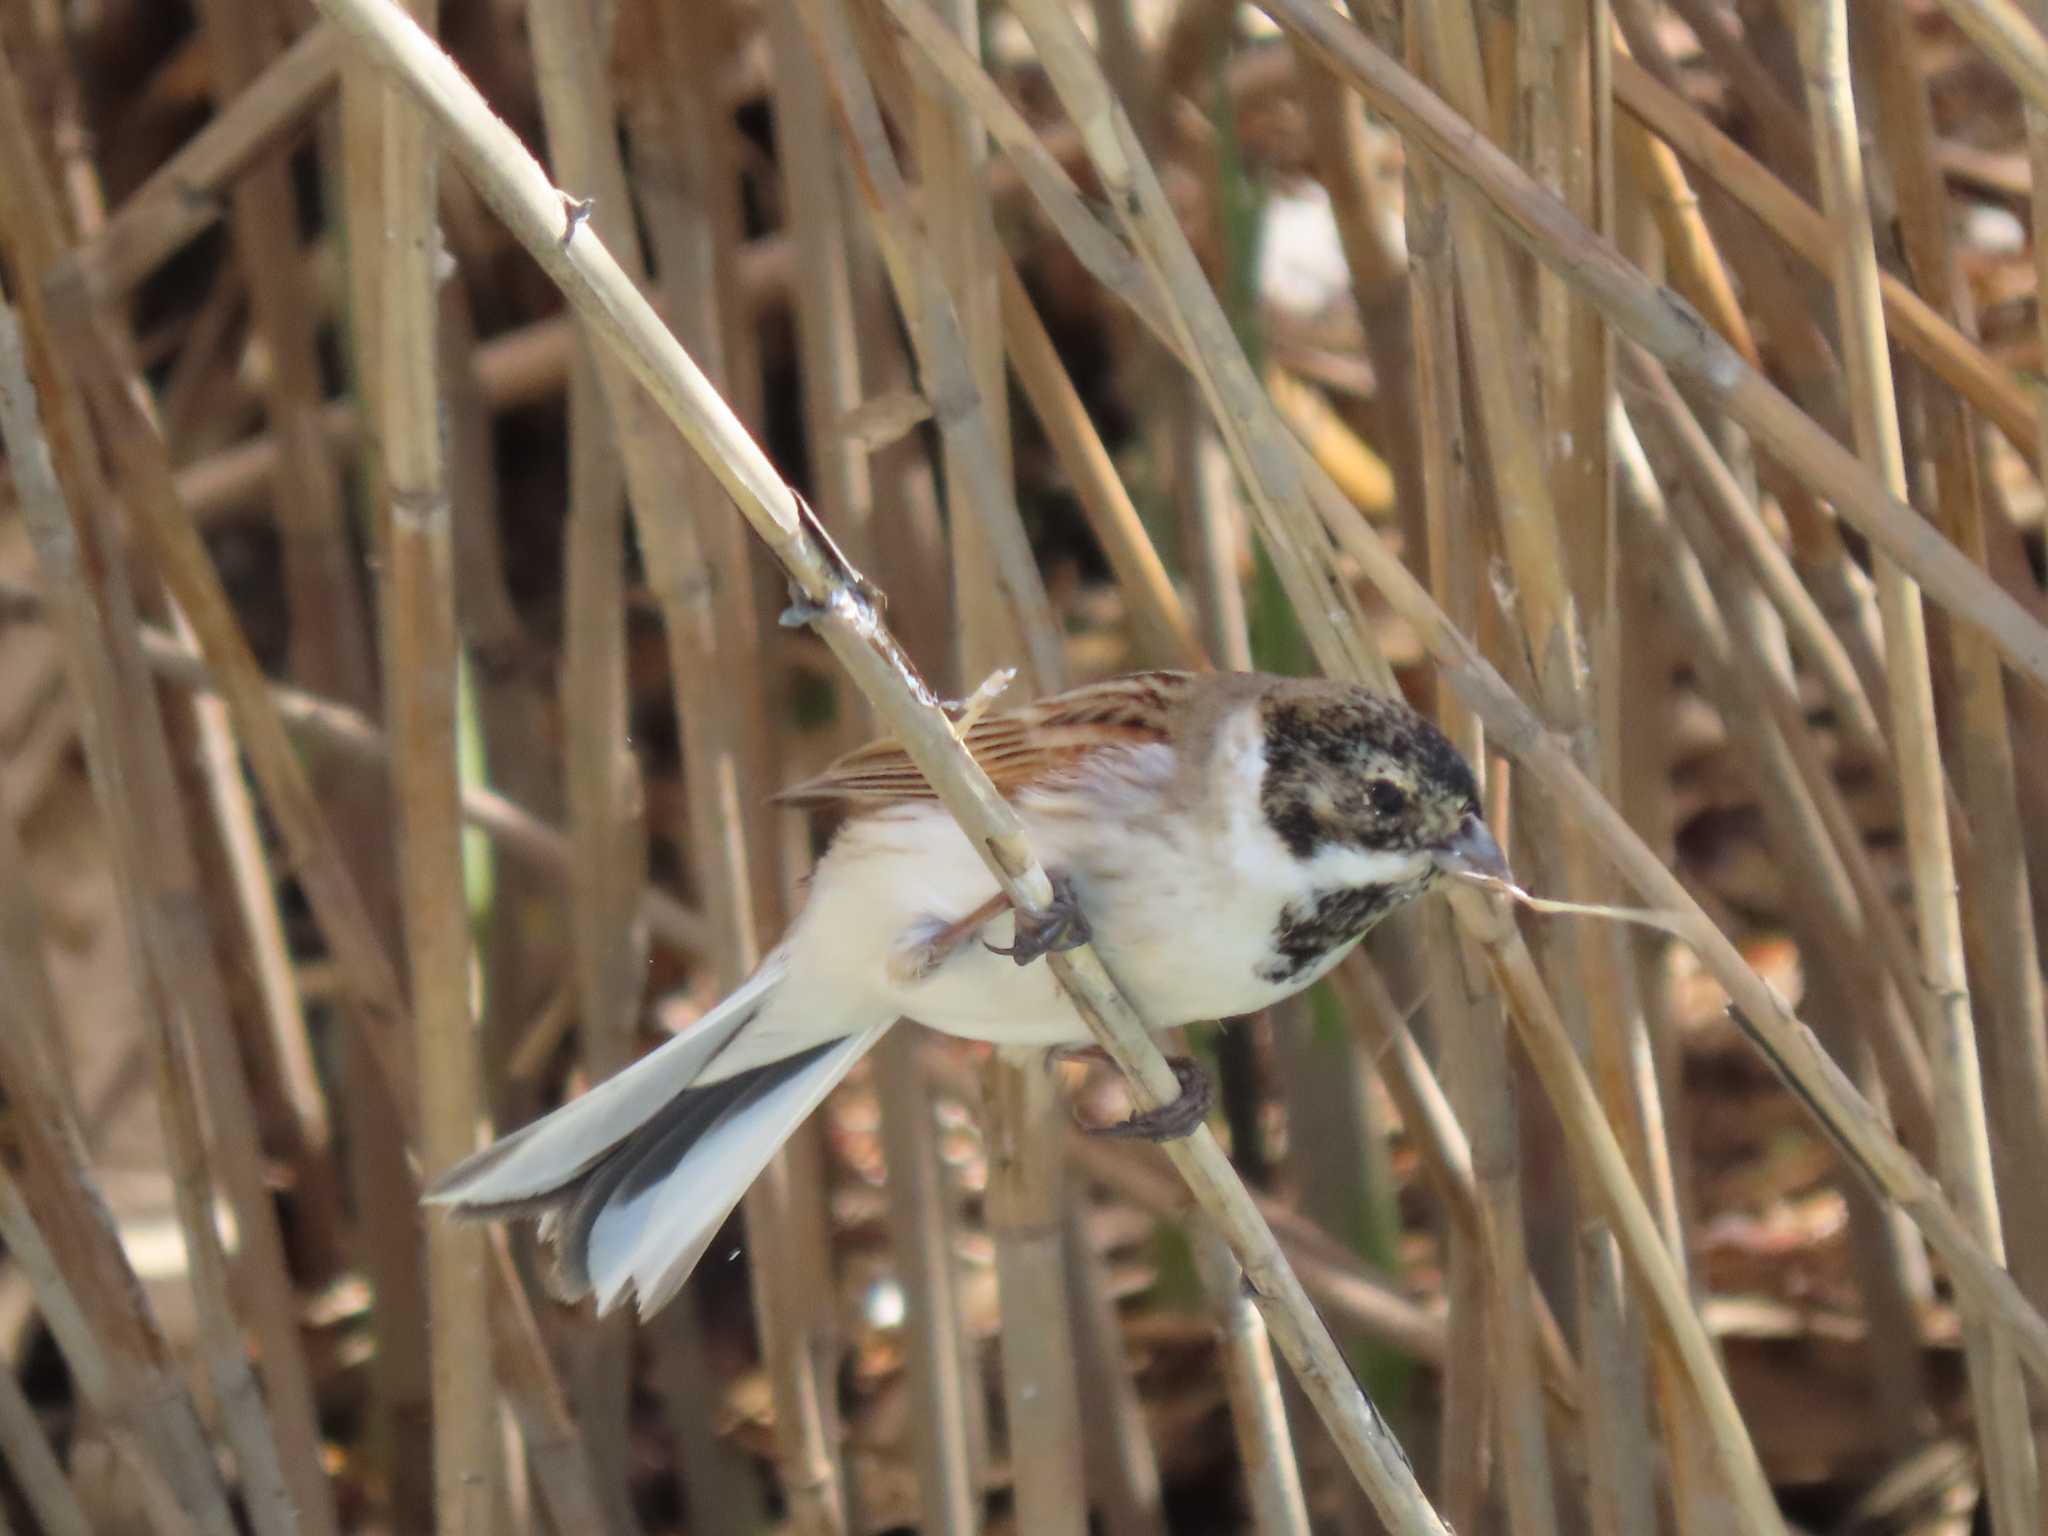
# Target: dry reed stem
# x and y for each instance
(940, 323)
(922, 1239)
(1167, 634)
(141, 1400)
(1490, 1270)
(729, 745)
(1745, 670)
(286, 1073)
(1427, 1116)
(270, 1501)
(1605, 1167)
(2005, 32)
(1025, 1201)
(187, 570)
(329, 636)
(600, 776)
(1790, 1047)
(1960, 1137)
(1919, 327)
(2021, 1069)
(1116, 1451)
(1698, 272)
(946, 286)
(1287, 492)
(1736, 58)
(828, 341)
(182, 196)
(1491, 295)
(1265, 1450)
(1665, 326)
(1802, 354)
(1834, 850)
(1999, 910)
(349, 733)
(1378, 265)
(421, 659)
(55, 1226)
(1338, 1279)
(520, 192)
(30, 1461)
(1558, 567)
(157, 877)
(1744, 530)
(383, 1117)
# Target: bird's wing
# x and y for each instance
(1018, 749)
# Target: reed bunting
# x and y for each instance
(1222, 839)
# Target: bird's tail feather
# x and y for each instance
(633, 1178)
(643, 1220)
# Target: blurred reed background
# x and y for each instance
(391, 697)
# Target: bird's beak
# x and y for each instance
(1473, 852)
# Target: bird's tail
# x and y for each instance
(632, 1180)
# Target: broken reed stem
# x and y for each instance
(521, 193)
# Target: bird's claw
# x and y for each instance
(1061, 926)
(1171, 1121)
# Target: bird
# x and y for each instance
(1222, 839)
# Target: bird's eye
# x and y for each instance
(1388, 798)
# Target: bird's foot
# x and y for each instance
(1061, 926)
(1170, 1121)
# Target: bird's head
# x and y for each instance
(1355, 777)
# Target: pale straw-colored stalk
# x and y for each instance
(421, 657)
(1917, 324)
(1998, 912)
(1961, 1136)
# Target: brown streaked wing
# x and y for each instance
(1016, 749)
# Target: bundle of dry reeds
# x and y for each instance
(411, 454)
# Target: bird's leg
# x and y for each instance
(1061, 926)
(1169, 1122)
(931, 944)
